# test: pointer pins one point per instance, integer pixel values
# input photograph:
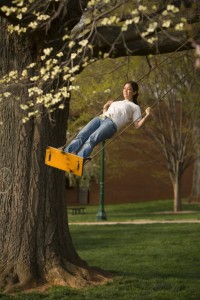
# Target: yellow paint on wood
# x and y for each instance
(68, 162)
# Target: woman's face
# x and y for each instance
(128, 92)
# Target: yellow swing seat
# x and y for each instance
(68, 162)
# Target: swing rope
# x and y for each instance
(157, 66)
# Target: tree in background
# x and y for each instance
(174, 118)
(195, 190)
(44, 44)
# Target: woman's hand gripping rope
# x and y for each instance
(140, 122)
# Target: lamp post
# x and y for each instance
(101, 215)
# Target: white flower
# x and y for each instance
(165, 13)
(31, 114)
(6, 94)
(43, 17)
(143, 34)
(60, 54)
(83, 43)
(166, 23)
(73, 55)
(134, 12)
(64, 92)
(42, 71)
(24, 73)
(31, 65)
(12, 74)
(33, 25)
(142, 8)
(152, 40)
(128, 22)
(71, 44)
(107, 91)
(66, 77)
(136, 19)
(74, 69)
(172, 8)
(24, 120)
(20, 3)
(47, 51)
(23, 106)
(179, 26)
(152, 27)
(46, 76)
(124, 27)
(24, 9)
(65, 37)
(19, 16)
(61, 106)
(34, 78)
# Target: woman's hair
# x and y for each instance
(135, 88)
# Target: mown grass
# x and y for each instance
(152, 210)
(148, 262)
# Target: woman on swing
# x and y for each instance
(116, 116)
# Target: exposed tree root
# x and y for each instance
(10, 283)
(72, 276)
(77, 277)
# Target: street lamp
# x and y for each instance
(101, 215)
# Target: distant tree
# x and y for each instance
(174, 118)
(195, 190)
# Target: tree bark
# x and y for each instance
(177, 187)
(35, 242)
(195, 191)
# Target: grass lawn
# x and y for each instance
(152, 210)
(159, 261)
(149, 261)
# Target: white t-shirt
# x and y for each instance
(123, 113)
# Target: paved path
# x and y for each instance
(137, 222)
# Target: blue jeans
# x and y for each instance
(96, 131)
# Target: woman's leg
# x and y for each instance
(83, 135)
(103, 132)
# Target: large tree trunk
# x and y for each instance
(35, 242)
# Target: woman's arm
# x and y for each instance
(141, 122)
(107, 105)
